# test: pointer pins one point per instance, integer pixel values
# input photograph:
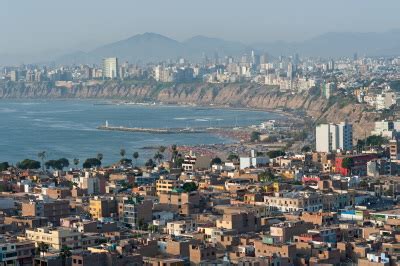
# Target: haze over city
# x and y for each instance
(58, 27)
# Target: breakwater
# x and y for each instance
(161, 130)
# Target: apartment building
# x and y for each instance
(53, 210)
(135, 211)
(241, 222)
(185, 202)
(164, 185)
(294, 201)
(56, 238)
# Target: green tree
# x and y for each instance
(216, 160)
(4, 166)
(42, 247)
(65, 253)
(59, 164)
(375, 140)
(255, 136)
(125, 161)
(42, 155)
(135, 156)
(64, 162)
(179, 161)
(348, 163)
(232, 157)
(189, 186)
(150, 163)
(99, 157)
(122, 152)
(91, 162)
(28, 164)
(152, 228)
(52, 164)
(76, 162)
(267, 176)
(158, 157)
(162, 149)
(174, 154)
(306, 148)
(274, 154)
(363, 184)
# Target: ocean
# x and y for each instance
(68, 128)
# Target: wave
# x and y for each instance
(7, 110)
(154, 140)
(54, 111)
(29, 103)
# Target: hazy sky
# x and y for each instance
(29, 26)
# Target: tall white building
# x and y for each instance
(110, 67)
(332, 137)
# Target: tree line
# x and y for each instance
(92, 162)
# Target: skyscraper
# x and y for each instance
(110, 67)
(290, 71)
(332, 137)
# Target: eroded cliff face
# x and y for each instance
(234, 95)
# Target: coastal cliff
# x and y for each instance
(229, 95)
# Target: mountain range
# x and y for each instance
(153, 47)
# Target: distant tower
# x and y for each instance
(106, 123)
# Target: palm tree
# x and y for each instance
(162, 149)
(42, 247)
(135, 156)
(174, 154)
(158, 157)
(42, 155)
(65, 253)
(99, 156)
(76, 162)
(122, 152)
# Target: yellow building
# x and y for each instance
(102, 207)
(56, 238)
(166, 185)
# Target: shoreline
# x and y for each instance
(110, 101)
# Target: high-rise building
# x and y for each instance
(110, 67)
(290, 71)
(331, 65)
(332, 137)
(345, 136)
(327, 89)
(14, 75)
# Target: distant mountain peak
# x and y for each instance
(154, 47)
(149, 36)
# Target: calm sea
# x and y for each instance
(67, 128)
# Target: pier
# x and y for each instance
(161, 130)
(156, 130)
